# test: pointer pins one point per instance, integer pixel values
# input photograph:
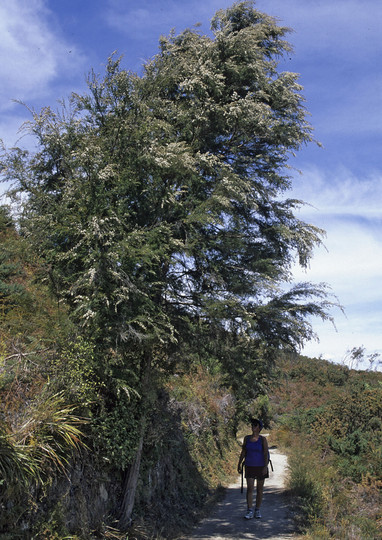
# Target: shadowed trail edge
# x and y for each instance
(227, 521)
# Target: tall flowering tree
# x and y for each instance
(159, 205)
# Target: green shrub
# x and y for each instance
(305, 484)
(261, 408)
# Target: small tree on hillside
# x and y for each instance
(158, 203)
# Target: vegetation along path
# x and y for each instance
(227, 520)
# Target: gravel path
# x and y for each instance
(227, 519)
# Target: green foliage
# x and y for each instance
(116, 432)
(46, 431)
(35, 448)
(30, 320)
(11, 269)
(319, 371)
(6, 220)
(328, 505)
(208, 415)
(16, 465)
(301, 420)
(53, 526)
(306, 483)
(75, 369)
(260, 408)
(347, 420)
(346, 426)
(37, 427)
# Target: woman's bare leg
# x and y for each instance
(250, 489)
(259, 492)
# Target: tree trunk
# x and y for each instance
(130, 485)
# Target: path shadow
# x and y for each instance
(227, 521)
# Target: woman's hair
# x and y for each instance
(255, 422)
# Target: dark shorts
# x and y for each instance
(255, 472)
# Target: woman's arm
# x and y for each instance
(242, 456)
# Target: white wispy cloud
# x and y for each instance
(338, 193)
(351, 262)
(349, 209)
(33, 52)
(39, 64)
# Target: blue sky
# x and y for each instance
(48, 47)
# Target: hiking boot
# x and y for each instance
(249, 514)
(257, 513)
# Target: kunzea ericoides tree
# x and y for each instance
(159, 204)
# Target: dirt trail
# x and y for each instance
(227, 519)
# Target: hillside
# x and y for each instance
(329, 419)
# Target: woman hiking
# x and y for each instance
(254, 453)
